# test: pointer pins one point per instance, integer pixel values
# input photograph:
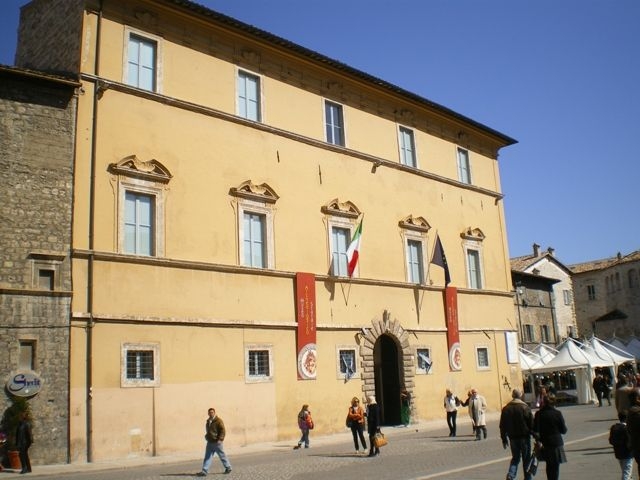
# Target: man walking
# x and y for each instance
(215, 433)
(516, 425)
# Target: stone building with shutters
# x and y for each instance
(608, 296)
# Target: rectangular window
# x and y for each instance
(334, 123)
(414, 261)
(544, 333)
(464, 168)
(482, 356)
(591, 292)
(254, 245)
(423, 363)
(138, 224)
(407, 147)
(249, 96)
(473, 265)
(140, 365)
(528, 333)
(567, 296)
(27, 355)
(258, 363)
(347, 363)
(46, 279)
(340, 238)
(141, 63)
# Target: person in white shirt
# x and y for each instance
(451, 403)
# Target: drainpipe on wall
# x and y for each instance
(91, 259)
(554, 317)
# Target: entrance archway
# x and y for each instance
(388, 363)
(387, 375)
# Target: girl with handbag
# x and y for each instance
(355, 421)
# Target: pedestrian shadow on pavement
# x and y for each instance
(339, 455)
(591, 451)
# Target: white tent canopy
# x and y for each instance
(571, 357)
(528, 360)
(545, 352)
(633, 347)
(605, 350)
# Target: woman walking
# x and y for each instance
(548, 428)
(373, 425)
(451, 403)
(355, 421)
(305, 423)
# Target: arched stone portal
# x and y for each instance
(387, 365)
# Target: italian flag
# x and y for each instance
(353, 252)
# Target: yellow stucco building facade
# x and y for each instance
(214, 163)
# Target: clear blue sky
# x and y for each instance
(560, 76)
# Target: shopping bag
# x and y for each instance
(379, 440)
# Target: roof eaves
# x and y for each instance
(337, 65)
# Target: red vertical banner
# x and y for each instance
(306, 318)
(453, 334)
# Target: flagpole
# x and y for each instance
(431, 257)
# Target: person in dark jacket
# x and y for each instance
(516, 425)
(373, 425)
(214, 434)
(24, 439)
(633, 424)
(548, 427)
(619, 439)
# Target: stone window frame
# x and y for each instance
(422, 371)
(252, 347)
(472, 239)
(126, 382)
(260, 93)
(468, 180)
(410, 133)
(147, 178)
(342, 141)
(477, 349)
(33, 342)
(259, 199)
(340, 215)
(45, 261)
(416, 229)
(342, 375)
(128, 32)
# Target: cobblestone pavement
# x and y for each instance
(420, 452)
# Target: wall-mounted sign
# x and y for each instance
(24, 384)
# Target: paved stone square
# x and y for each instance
(419, 452)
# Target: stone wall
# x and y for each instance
(49, 36)
(37, 121)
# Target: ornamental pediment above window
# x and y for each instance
(341, 209)
(418, 224)
(151, 170)
(251, 191)
(472, 234)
